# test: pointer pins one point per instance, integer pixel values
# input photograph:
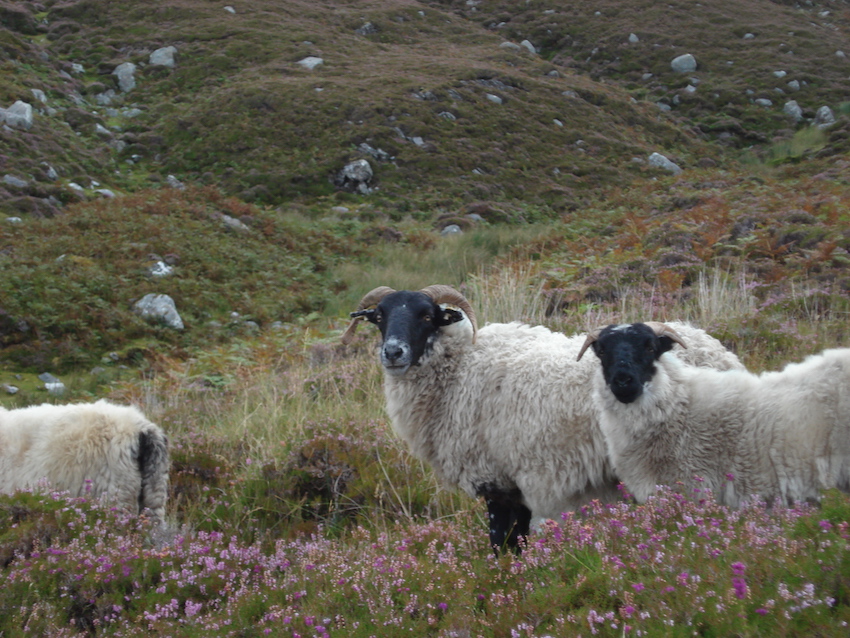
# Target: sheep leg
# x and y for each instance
(509, 519)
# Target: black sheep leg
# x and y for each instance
(509, 519)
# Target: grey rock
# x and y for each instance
(105, 98)
(633, 38)
(229, 9)
(660, 161)
(155, 308)
(495, 98)
(511, 46)
(46, 377)
(339, 210)
(173, 182)
(50, 171)
(234, 224)
(163, 57)
(16, 182)
(663, 106)
(9, 389)
(14, 220)
(125, 73)
(101, 131)
(39, 95)
(792, 109)
(55, 389)
(451, 229)
(686, 63)
(749, 36)
(105, 193)
(557, 122)
(131, 113)
(780, 74)
(356, 176)
(530, 47)
(646, 76)
(446, 115)
(379, 154)
(77, 68)
(824, 117)
(19, 116)
(367, 29)
(763, 101)
(311, 62)
(794, 85)
(160, 269)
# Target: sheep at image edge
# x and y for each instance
(87, 449)
(503, 412)
(781, 436)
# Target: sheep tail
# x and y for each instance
(153, 467)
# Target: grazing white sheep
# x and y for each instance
(503, 412)
(88, 449)
(782, 436)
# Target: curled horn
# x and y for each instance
(663, 330)
(446, 294)
(369, 299)
(591, 337)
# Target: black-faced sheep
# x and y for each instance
(87, 449)
(503, 412)
(782, 436)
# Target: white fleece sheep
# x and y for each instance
(88, 449)
(783, 436)
(504, 412)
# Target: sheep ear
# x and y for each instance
(356, 318)
(667, 335)
(449, 316)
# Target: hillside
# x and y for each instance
(460, 121)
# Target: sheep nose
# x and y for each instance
(623, 379)
(393, 352)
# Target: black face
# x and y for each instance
(628, 354)
(409, 322)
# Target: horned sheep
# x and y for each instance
(96, 449)
(780, 436)
(502, 412)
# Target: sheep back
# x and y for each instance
(88, 449)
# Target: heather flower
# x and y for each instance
(740, 587)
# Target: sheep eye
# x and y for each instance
(650, 347)
(426, 318)
(379, 317)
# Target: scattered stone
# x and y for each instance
(570, 94)
(105, 98)
(417, 140)
(690, 89)
(557, 122)
(234, 224)
(663, 106)
(9, 389)
(840, 54)
(451, 229)
(794, 85)
(633, 38)
(50, 171)
(793, 110)
(824, 117)
(16, 182)
(355, 176)
(530, 47)
(19, 116)
(447, 116)
(155, 308)
(105, 193)
(686, 63)
(379, 154)
(659, 161)
(14, 220)
(125, 73)
(163, 57)
(749, 36)
(39, 95)
(763, 101)
(101, 131)
(311, 62)
(131, 113)
(646, 76)
(510, 46)
(53, 385)
(339, 210)
(173, 182)
(780, 74)
(76, 187)
(495, 98)
(367, 29)
(160, 269)
(229, 9)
